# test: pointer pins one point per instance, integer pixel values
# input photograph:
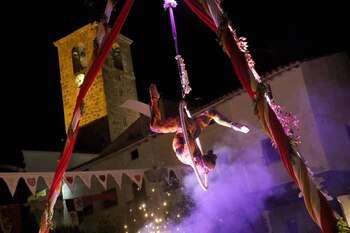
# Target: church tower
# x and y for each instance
(104, 119)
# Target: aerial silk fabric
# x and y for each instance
(210, 12)
(95, 67)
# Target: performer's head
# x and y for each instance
(208, 164)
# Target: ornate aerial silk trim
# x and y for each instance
(275, 123)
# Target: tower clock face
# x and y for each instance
(79, 79)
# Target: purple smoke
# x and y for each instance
(228, 205)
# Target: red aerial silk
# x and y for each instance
(237, 58)
(72, 134)
(245, 76)
(327, 220)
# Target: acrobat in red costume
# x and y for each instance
(194, 128)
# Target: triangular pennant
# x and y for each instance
(69, 180)
(136, 176)
(11, 182)
(31, 182)
(117, 177)
(102, 178)
(86, 178)
(48, 178)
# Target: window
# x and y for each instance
(134, 154)
(269, 152)
(79, 59)
(116, 57)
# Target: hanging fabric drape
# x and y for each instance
(243, 65)
(95, 67)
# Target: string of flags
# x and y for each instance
(32, 178)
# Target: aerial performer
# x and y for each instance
(204, 163)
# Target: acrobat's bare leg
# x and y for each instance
(155, 112)
(213, 114)
(158, 125)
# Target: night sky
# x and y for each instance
(277, 34)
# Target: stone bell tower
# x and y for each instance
(104, 120)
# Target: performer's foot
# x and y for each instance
(153, 91)
(240, 127)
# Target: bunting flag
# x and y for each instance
(103, 180)
(48, 178)
(69, 180)
(212, 14)
(136, 175)
(31, 183)
(11, 182)
(118, 177)
(86, 178)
